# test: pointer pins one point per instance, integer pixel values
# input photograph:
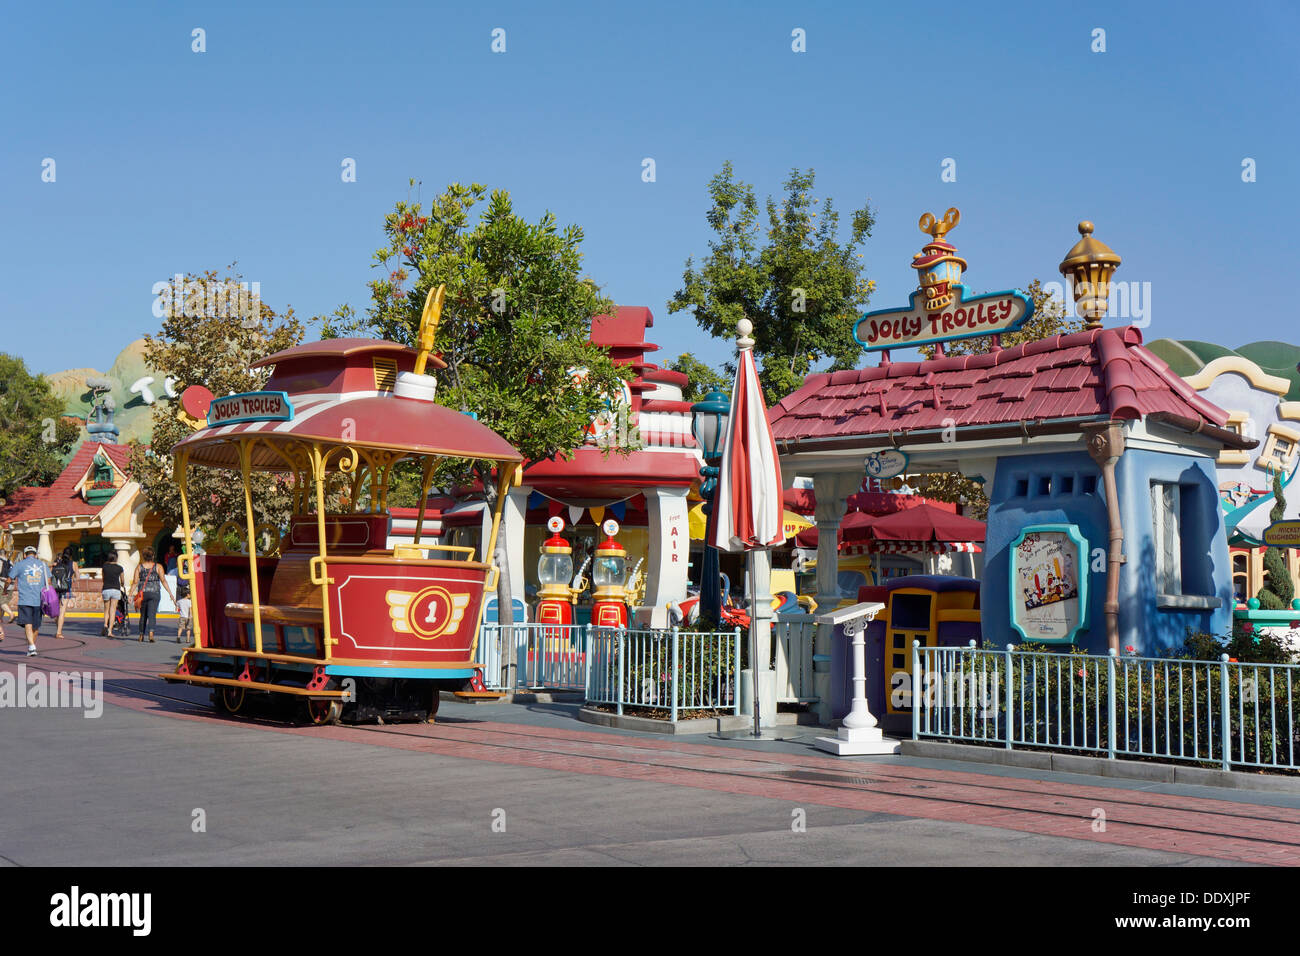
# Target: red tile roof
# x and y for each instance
(59, 500)
(1099, 374)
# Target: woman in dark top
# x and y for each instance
(150, 581)
(65, 572)
(112, 592)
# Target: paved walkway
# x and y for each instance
(125, 789)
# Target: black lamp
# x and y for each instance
(709, 426)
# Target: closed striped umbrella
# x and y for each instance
(750, 507)
(749, 502)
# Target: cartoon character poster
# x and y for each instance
(1046, 590)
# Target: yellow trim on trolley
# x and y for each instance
(253, 685)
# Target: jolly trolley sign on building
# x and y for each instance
(250, 407)
(940, 309)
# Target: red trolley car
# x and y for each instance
(328, 615)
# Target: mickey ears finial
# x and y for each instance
(936, 229)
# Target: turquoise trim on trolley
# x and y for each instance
(425, 672)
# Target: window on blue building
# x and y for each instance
(1166, 512)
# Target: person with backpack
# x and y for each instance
(6, 590)
(65, 572)
(111, 584)
(33, 578)
(147, 585)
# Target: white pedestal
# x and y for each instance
(859, 735)
(857, 742)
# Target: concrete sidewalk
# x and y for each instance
(160, 779)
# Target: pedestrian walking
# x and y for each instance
(64, 574)
(149, 581)
(7, 588)
(111, 585)
(182, 608)
(32, 577)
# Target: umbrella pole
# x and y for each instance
(754, 623)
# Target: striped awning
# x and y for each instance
(910, 547)
(358, 420)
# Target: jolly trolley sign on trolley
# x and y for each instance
(940, 309)
(327, 615)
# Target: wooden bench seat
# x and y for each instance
(275, 614)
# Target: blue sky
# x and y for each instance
(170, 160)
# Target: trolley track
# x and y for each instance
(879, 779)
(850, 776)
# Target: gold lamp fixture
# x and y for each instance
(1091, 263)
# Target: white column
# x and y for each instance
(127, 556)
(510, 538)
(669, 554)
(760, 626)
(832, 490)
(43, 549)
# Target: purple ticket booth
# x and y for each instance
(936, 610)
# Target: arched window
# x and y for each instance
(1241, 575)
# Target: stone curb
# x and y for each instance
(701, 725)
(520, 697)
(1104, 767)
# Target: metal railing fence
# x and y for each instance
(529, 656)
(793, 636)
(670, 669)
(1224, 712)
(674, 670)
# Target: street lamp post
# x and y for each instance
(709, 426)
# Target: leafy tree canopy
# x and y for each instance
(34, 437)
(703, 378)
(516, 323)
(796, 281)
(209, 346)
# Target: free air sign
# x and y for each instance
(250, 407)
(961, 318)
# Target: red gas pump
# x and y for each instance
(609, 575)
(555, 598)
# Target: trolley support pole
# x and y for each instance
(245, 469)
(182, 463)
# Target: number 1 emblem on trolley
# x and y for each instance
(428, 613)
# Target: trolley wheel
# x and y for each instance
(230, 699)
(321, 713)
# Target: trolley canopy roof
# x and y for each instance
(339, 394)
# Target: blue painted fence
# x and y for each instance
(1220, 712)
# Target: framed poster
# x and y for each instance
(1049, 583)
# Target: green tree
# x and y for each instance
(703, 378)
(201, 345)
(1277, 592)
(516, 322)
(799, 284)
(34, 436)
(1049, 319)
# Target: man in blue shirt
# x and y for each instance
(32, 577)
